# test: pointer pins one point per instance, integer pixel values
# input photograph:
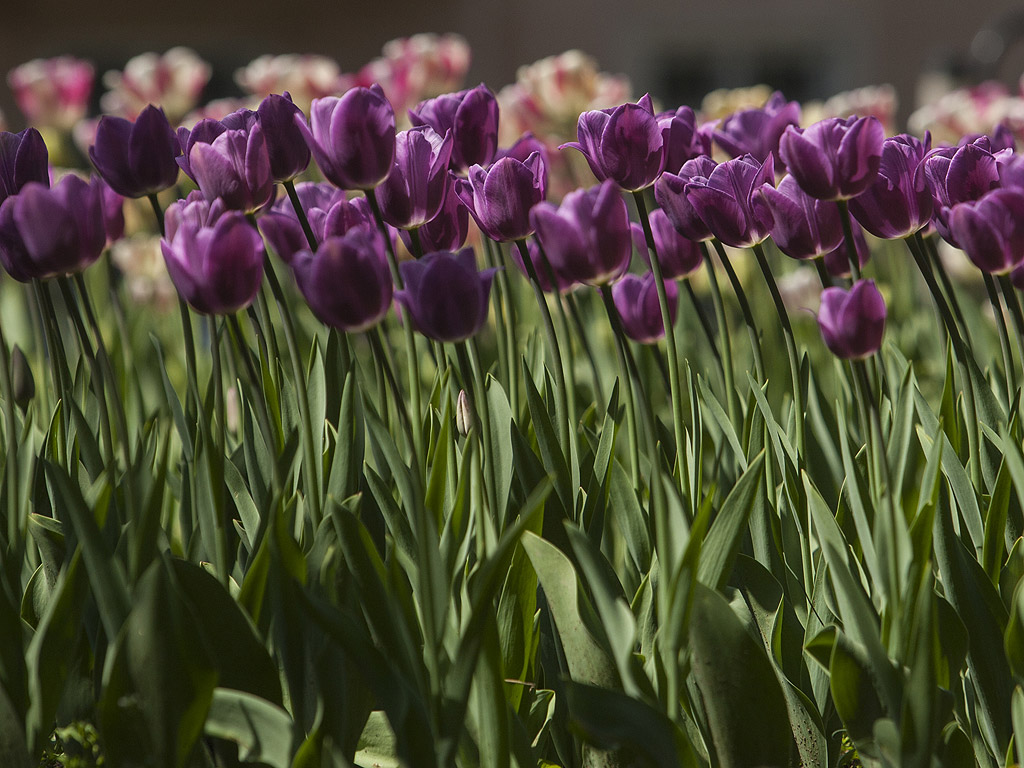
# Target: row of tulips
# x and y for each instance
(448, 504)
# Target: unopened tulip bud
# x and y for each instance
(24, 382)
(463, 414)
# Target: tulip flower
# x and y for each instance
(625, 144)
(757, 131)
(852, 322)
(327, 210)
(587, 238)
(991, 230)
(683, 140)
(836, 158)
(636, 299)
(445, 294)
(346, 282)
(500, 197)
(214, 256)
(448, 230)
(523, 147)
(136, 159)
(899, 202)
(233, 166)
(52, 93)
(288, 153)
(669, 191)
(472, 118)
(958, 175)
(352, 138)
(804, 227)
(678, 256)
(541, 268)
(23, 158)
(414, 191)
(730, 202)
(49, 232)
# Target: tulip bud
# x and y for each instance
(24, 382)
(463, 414)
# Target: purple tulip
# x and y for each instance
(625, 144)
(233, 166)
(500, 197)
(448, 230)
(837, 261)
(899, 202)
(352, 138)
(328, 211)
(804, 227)
(136, 159)
(959, 175)
(561, 284)
(414, 191)
(587, 238)
(991, 230)
(852, 322)
(636, 299)
(730, 200)
(113, 212)
(445, 294)
(670, 192)
(471, 117)
(214, 256)
(757, 131)
(836, 158)
(683, 139)
(678, 256)
(289, 155)
(49, 232)
(23, 158)
(1017, 277)
(347, 282)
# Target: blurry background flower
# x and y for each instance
(305, 76)
(173, 80)
(52, 93)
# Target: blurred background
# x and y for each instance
(810, 49)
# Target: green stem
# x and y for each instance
(374, 336)
(676, 391)
(851, 245)
(748, 316)
(588, 350)
(509, 327)
(417, 244)
(794, 360)
(628, 397)
(928, 246)
(298, 373)
(732, 402)
(823, 273)
(14, 533)
(1004, 338)
(473, 377)
(1010, 297)
(217, 456)
(293, 196)
(412, 355)
(561, 399)
(500, 322)
(960, 352)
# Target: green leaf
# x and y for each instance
(263, 731)
(547, 441)
(1014, 637)
(377, 744)
(588, 661)
(1017, 714)
(744, 704)
(13, 749)
(725, 536)
(500, 449)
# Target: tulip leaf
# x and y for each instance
(744, 704)
(500, 450)
(263, 731)
(724, 538)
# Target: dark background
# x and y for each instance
(676, 50)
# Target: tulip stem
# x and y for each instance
(509, 326)
(748, 316)
(417, 244)
(914, 243)
(217, 456)
(794, 360)
(1010, 297)
(670, 343)
(561, 396)
(411, 352)
(55, 348)
(300, 214)
(10, 445)
(375, 337)
(500, 322)
(624, 374)
(158, 212)
(469, 362)
(588, 350)
(851, 245)
(310, 463)
(928, 246)
(732, 403)
(1004, 338)
(823, 274)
